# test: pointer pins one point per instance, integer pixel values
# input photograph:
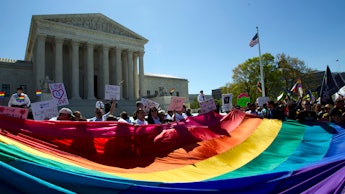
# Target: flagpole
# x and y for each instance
(261, 67)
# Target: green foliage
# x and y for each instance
(195, 104)
(279, 76)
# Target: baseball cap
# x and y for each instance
(66, 111)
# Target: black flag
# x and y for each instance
(328, 87)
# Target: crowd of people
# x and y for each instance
(302, 110)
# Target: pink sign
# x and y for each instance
(21, 113)
(176, 103)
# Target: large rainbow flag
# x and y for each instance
(236, 153)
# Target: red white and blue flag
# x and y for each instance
(254, 41)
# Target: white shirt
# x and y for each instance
(19, 100)
(104, 117)
(140, 122)
(179, 117)
(201, 98)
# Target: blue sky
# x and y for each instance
(201, 40)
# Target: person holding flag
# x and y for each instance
(19, 99)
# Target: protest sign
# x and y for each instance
(207, 106)
(226, 102)
(147, 104)
(112, 92)
(176, 103)
(58, 93)
(21, 113)
(44, 110)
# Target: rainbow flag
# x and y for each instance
(38, 92)
(235, 153)
(2, 95)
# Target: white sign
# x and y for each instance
(58, 93)
(147, 104)
(21, 113)
(44, 110)
(112, 92)
(207, 106)
(262, 100)
(226, 102)
(176, 103)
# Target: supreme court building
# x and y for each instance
(85, 52)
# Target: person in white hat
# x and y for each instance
(65, 114)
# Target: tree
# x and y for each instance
(247, 75)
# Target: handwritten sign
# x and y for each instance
(112, 92)
(262, 100)
(44, 110)
(176, 103)
(21, 113)
(207, 106)
(59, 93)
(226, 102)
(147, 104)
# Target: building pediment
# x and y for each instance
(97, 22)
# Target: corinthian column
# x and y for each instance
(90, 73)
(141, 73)
(40, 60)
(58, 60)
(130, 75)
(75, 70)
(118, 70)
(105, 69)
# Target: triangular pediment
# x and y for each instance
(97, 22)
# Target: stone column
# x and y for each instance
(75, 70)
(135, 75)
(105, 70)
(130, 75)
(112, 65)
(40, 60)
(141, 73)
(90, 73)
(118, 66)
(58, 60)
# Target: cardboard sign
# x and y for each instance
(207, 106)
(58, 93)
(226, 102)
(147, 104)
(21, 113)
(176, 103)
(112, 92)
(44, 110)
(262, 100)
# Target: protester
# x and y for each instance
(124, 117)
(201, 97)
(140, 117)
(306, 115)
(65, 114)
(337, 114)
(78, 116)
(152, 117)
(19, 99)
(100, 115)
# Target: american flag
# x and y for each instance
(254, 41)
